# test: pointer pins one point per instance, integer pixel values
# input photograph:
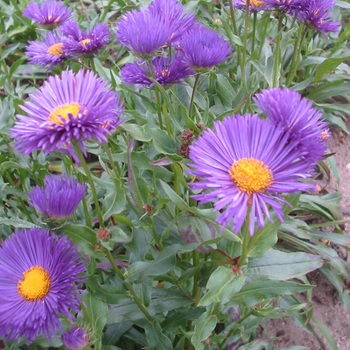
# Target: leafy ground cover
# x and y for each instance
(163, 171)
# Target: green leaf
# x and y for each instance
(255, 291)
(114, 202)
(178, 201)
(82, 235)
(225, 91)
(100, 70)
(163, 263)
(97, 312)
(326, 333)
(266, 237)
(222, 284)
(277, 265)
(203, 328)
(164, 144)
(156, 337)
(328, 66)
(15, 222)
(137, 132)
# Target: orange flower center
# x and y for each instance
(55, 49)
(255, 3)
(62, 111)
(35, 285)
(84, 42)
(165, 73)
(251, 175)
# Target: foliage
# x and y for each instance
(149, 286)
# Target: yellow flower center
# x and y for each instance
(251, 175)
(84, 42)
(255, 3)
(35, 285)
(61, 112)
(55, 49)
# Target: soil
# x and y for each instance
(327, 307)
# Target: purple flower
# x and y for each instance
(59, 197)
(49, 52)
(72, 107)
(254, 5)
(289, 6)
(75, 339)
(296, 116)
(167, 71)
(144, 31)
(48, 12)
(172, 13)
(318, 14)
(247, 161)
(40, 278)
(81, 42)
(204, 48)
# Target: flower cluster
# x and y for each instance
(247, 162)
(315, 13)
(69, 41)
(162, 26)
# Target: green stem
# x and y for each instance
(167, 121)
(107, 8)
(277, 54)
(80, 156)
(157, 94)
(109, 155)
(255, 16)
(155, 235)
(118, 174)
(235, 31)
(193, 93)
(246, 24)
(128, 286)
(295, 66)
(196, 290)
(93, 65)
(246, 239)
(263, 38)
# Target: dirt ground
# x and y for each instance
(327, 307)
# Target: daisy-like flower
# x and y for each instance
(48, 13)
(167, 71)
(204, 48)
(40, 278)
(247, 161)
(172, 13)
(254, 5)
(75, 339)
(67, 108)
(318, 13)
(78, 41)
(47, 52)
(296, 116)
(144, 31)
(59, 197)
